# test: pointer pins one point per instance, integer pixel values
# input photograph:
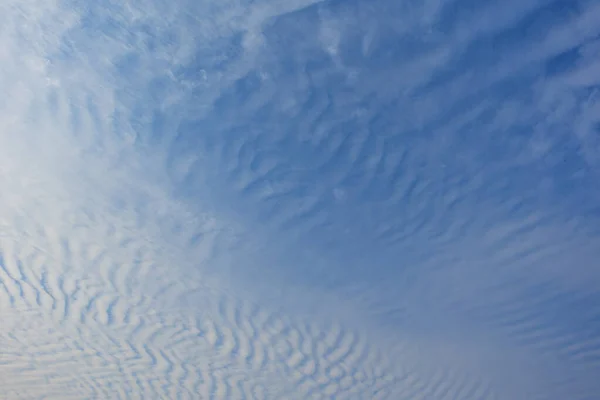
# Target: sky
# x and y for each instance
(300, 199)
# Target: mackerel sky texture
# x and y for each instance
(300, 199)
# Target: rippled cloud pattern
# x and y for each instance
(300, 199)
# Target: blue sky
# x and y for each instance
(300, 199)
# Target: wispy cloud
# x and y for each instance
(298, 200)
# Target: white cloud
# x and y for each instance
(188, 215)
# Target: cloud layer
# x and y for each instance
(299, 199)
